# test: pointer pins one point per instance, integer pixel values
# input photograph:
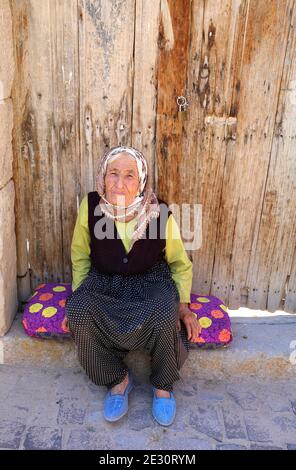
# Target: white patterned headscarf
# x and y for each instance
(145, 205)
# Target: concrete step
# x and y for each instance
(263, 345)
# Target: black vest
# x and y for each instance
(108, 253)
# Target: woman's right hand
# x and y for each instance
(65, 325)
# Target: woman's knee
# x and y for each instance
(70, 305)
(168, 314)
(76, 308)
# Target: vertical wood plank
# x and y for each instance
(254, 104)
(106, 40)
(20, 13)
(248, 133)
(48, 131)
(290, 290)
(145, 79)
(45, 230)
(173, 43)
(270, 278)
(65, 127)
(210, 135)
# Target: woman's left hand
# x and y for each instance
(190, 320)
(65, 325)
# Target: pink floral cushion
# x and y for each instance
(45, 311)
(214, 320)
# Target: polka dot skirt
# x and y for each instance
(112, 314)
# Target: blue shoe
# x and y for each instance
(116, 405)
(164, 409)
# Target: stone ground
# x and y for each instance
(62, 409)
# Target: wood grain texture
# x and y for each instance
(145, 80)
(45, 136)
(271, 274)
(21, 144)
(173, 43)
(225, 148)
(106, 42)
(92, 74)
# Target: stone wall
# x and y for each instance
(8, 286)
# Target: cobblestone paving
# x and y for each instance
(62, 409)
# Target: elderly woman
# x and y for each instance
(131, 285)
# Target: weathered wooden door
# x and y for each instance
(92, 74)
(233, 152)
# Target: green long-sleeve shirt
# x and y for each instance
(175, 253)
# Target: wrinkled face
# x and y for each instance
(122, 180)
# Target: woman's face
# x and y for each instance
(122, 180)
